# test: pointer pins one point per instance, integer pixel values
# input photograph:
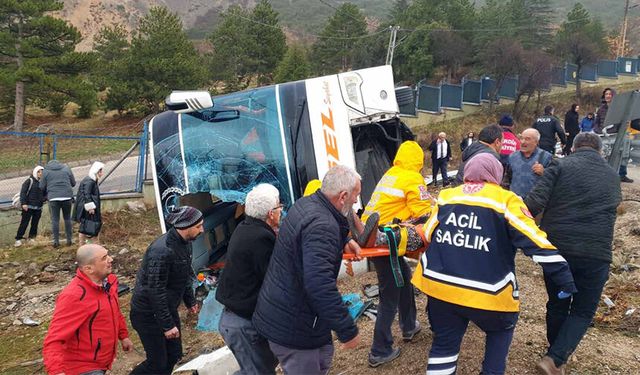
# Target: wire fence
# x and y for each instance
(125, 159)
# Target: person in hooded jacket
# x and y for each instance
(31, 201)
(57, 184)
(571, 126)
(587, 123)
(401, 194)
(88, 200)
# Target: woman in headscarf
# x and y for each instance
(31, 201)
(87, 206)
(468, 268)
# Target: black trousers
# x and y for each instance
(162, 353)
(34, 217)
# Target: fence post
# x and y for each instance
(55, 147)
(142, 158)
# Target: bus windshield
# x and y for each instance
(235, 146)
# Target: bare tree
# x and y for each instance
(451, 50)
(534, 76)
(501, 59)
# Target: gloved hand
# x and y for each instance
(563, 295)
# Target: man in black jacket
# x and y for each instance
(489, 140)
(571, 126)
(548, 125)
(246, 264)
(163, 281)
(440, 155)
(299, 303)
(579, 196)
(31, 200)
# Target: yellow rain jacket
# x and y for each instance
(401, 193)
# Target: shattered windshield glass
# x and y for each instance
(228, 157)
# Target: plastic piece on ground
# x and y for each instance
(371, 290)
(354, 303)
(209, 316)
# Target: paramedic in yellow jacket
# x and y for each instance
(400, 194)
(468, 269)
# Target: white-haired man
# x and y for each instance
(246, 264)
(440, 155)
(299, 303)
(87, 321)
(528, 164)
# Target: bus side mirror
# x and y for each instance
(188, 101)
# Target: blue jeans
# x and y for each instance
(392, 300)
(449, 323)
(55, 207)
(568, 319)
(250, 349)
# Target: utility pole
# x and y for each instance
(392, 44)
(624, 30)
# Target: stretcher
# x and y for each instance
(369, 253)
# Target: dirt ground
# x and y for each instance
(31, 277)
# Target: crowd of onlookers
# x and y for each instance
(279, 291)
(54, 184)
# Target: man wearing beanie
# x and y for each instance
(163, 280)
(510, 142)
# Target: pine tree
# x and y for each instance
(338, 47)
(269, 41)
(293, 66)
(162, 59)
(580, 40)
(39, 62)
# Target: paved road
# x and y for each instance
(122, 179)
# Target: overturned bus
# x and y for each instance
(210, 152)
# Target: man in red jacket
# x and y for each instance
(87, 322)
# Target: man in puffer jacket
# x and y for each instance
(31, 200)
(163, 281)
(57, 184)
(87, 322)
(299, 303)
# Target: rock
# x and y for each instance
(136, 206)
(30, 322)
(31, 363)
(47, 277)
(123, 251)
(33, 267)
(12, 306)
(17, 322)
(15, 264)
(50, 268)
(18, 275)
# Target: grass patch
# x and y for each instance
(21, 345)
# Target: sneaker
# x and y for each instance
(368, 236)
(408, 336)
(32, 241)
(375, 361)
(18, 243)
(547, 367)
(625, 179)
(56, 245)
